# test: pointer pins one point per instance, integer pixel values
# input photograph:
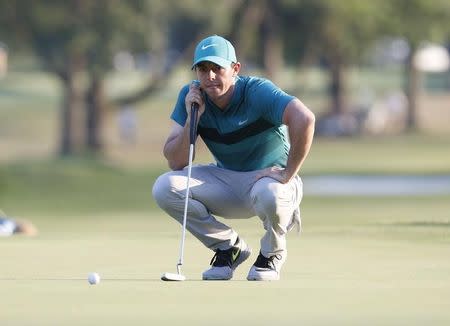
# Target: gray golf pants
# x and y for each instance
(229, 194)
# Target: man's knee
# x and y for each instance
(265, 198)
(162, 190)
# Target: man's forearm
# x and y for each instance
(176, 149)
(301, 140)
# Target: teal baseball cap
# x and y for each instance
(215, 49)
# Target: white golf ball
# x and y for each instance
(93, 278)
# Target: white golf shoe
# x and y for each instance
(225, 262)
(266, 269)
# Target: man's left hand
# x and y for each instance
(274, 172)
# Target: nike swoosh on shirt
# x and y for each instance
(204, 47)
(242, 122)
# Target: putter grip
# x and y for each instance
(193, 126)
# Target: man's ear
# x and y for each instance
(236, 68)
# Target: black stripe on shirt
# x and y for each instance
(238, 135)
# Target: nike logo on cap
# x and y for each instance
(204, 47)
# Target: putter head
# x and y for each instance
(172, 277)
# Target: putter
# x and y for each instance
(192, 136)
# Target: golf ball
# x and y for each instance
(93, 278)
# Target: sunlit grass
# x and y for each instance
(358, 259)
(405, 154)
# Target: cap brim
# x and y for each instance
(217, 60)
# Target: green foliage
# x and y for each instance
(90, 31)
(100, 28)
(419, 20)
(344, 27)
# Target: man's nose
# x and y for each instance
(211, 74)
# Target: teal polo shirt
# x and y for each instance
(248, 134)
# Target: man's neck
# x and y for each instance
(223, 101)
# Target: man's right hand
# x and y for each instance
(194, 96)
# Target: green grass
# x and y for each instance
(75, 187)
(359, 261)
(405, 154)
(353, 265)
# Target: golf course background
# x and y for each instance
(359, 260)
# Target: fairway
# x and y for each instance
(359, 261)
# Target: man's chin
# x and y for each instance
(213, 92)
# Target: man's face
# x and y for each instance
(214, 79)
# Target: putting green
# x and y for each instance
(389, 266)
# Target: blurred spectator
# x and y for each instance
(3, 60)
(336, 125)
(127, 125)
(124, 61)
(387, 115)
(10, 227)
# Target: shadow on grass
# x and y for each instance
(430, 224)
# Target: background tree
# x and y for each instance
(417, 21)
(77, 39)
(338, 34)
(71, 38)
(257, 35)
(335, 33)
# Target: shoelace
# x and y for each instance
(222, 258)
(264, 262)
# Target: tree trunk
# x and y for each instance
(66, 139)
(412, 89)
(336, 86)
(72, 102)
(95, 109)
(247, 18)
(272, 45)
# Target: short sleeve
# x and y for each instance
(179, 114)
(269, 99)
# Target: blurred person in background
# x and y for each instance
(3, 60)
(127, 123)
(259, 136)
(10, 226)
